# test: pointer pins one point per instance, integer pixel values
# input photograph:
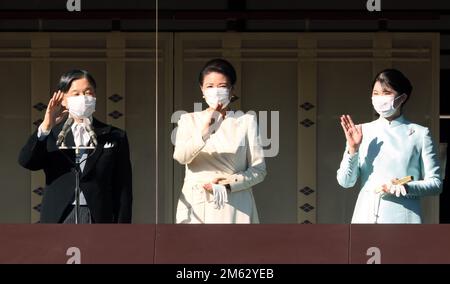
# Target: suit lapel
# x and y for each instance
(100, 130)
(69, 141)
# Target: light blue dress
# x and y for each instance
(391, 150)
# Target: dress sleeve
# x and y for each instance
(256, 171)
(348, 172)
(431, 182)
(188, 141)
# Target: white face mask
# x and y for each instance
(81, 106)
(384, 105)
(215, 96)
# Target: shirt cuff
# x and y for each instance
(41, 134)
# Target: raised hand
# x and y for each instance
(353, 133)
(211, 116)
(55, 112)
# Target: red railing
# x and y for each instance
(225, 244)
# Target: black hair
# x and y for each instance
(67, 78)
(221, 66)
(395, 80)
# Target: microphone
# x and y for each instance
(64, 131)
(90, 131)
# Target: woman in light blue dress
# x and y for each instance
(386, 149)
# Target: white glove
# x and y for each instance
(397, 189)
(220, 195)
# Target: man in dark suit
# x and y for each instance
(105, 179)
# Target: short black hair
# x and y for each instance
(395, 80)
(67, 78)
(221, 66)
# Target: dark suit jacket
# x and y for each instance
(105, 181)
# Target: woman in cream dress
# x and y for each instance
(222, 154)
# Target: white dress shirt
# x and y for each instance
(81, 138)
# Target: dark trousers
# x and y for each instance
(84, 216)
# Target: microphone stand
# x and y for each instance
(77, 171)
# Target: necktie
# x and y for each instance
(79, 132)
(79, 135)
